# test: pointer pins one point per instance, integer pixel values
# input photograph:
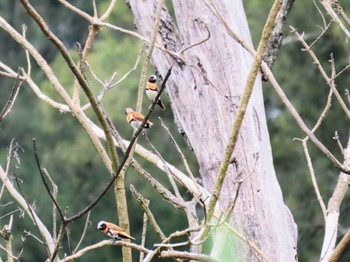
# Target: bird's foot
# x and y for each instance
(114, 240)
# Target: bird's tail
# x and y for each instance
(159, 102)
(125, 235)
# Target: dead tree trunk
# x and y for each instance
(204, 101)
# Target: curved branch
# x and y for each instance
(22, 202)
(44, 181)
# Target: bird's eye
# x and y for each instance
(102, 226)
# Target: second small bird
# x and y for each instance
(113, 231)
(152, 90)
(135, 119)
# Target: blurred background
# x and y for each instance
(67, 154)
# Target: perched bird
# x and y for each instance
(113, 231)
(152, 90)
(135, 119)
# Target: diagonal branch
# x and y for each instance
(242, 107)
(14, 92)
(44, 181)
(33, 217)
(75, 70)
(22, 202)
(148, 56)
(123, 162)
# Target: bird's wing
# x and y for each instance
(138, 116)
(112, 226)
(119, 233)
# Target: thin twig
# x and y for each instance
(58, 242)
(322, 71)
(167, 169)
(11, 100)
(251, 244)
(313, 179)
(328, 7)
(158, 250)
(9, 255)
(143, 235)
(54, 208)
(44, 181)
(108, 11)
(148, 56)
(87, 223)
(336, 137)
(69, 239)
(200, 22)
(23, 203)
(94, 8)
(31, 212)
(182, 156)
(29, 65)
(144, 203)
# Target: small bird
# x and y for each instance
(113, 231)
(135, 118)
(152, 90)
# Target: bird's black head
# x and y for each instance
(152, 79)
(101, 225)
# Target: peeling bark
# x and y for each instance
(204, 102)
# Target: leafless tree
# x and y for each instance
(210, 71)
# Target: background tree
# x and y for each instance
(49, 126)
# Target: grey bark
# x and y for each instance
(205, 110)
(276, 38)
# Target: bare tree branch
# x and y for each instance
(44, 181)
(323, 72)
(87, 223)
(22, 202)
(143, 236)
(277, 34)
(167, 170)
(54, 208)
(45, 29)
(340, 248)
(333, 210)
(33, 217)
(243, 106)
(60, 89)
(144, 203)
(11, 100)
(148, 56)
(328, 6)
